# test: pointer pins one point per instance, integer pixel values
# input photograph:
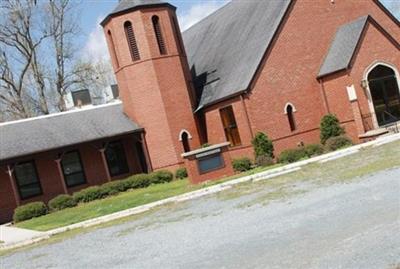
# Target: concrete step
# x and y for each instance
(393, 128)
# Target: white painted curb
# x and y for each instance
(341, 155)
(288, 171)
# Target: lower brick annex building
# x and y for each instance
(270, 66)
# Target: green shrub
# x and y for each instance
(330, 127)
(205, 145)
(242, 164)
(139, 181)
(61, 201)
(181, 173)
(162, 176)
(313, 150)
(89, 194)
(292, 155)
(338, 142)
(264, 161)
(29, 211)
(262, 145)
(115, 187)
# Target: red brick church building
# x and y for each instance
(271, 66)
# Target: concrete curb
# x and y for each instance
(213, 189)
(343, 154)
(277, 174)
(140, 209)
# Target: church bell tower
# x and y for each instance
(150, 64)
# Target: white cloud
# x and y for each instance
(198, 12)
(95, 48)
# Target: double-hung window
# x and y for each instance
(72, 167)
(116, 159)
(27, 180)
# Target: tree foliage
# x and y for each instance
(330, 127)
(262, 145)
(39, 58)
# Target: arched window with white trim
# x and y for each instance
(289, 111)
(385, 94)
(184, 137)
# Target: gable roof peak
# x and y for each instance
(343, 46)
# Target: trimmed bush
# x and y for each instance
(330, 127)
(242, 164)
(29, 211)
(292, 155)
(62, 201)
(114, 187)
(338, 142)
(181, 173)
(162, 176)
(313, 150)
(262, 145)
(139, 181)
(89, 194)
(264, 161)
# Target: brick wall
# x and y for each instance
(215, 128)
(288, 75)
(156, 90)
(368, 53)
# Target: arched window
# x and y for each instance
(158, 33)
(185, 141)
(289, 110)
(385, 94)
(130, 37)
(114, 54)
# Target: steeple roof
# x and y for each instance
(125, 6)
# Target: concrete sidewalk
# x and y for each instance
(13, 237)
(269, 174)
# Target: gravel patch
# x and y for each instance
(353, 225)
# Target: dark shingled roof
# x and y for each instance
(40, 134)
(225, 49)
(343, 47)
(128, 5)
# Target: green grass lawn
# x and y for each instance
(121, 202)
(365, 162)
(109, 205)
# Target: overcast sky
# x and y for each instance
(189, 12)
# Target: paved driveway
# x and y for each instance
(354, 225)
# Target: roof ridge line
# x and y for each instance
(60, 113)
